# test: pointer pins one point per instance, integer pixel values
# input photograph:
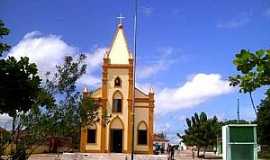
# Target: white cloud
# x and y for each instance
(93, 61)
(5, 121)
(163, 62)
(47, 51)
(235, 22)
(199, 89)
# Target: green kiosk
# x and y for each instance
(239, 142)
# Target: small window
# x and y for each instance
(91, 136)
(117, 82)
(117, 105)
(142, 137)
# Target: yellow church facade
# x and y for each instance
(115, 98)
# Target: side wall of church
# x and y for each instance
(141, 115)
(91, 147)
(95, 146)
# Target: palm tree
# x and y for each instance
(201, 132)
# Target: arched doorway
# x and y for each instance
(116, 135)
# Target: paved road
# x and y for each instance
(183, 155)
(187, 155)
(46, 157)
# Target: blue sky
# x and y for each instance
(179, 42)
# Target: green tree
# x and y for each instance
(20, 92)
(263, 121)
(70, 111)
(3, 32)
(88, 112)
(254, 71)
(19, 89)
(54, 109)
(201, 132)
(32, 126)
(19, 85)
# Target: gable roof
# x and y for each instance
(140, 94)
(96, 93)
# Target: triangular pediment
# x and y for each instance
(140, 94)
(119, 53)
(96, 93)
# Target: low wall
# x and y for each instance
(38, 149)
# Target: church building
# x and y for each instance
(113, 132)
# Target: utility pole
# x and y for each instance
(134, 78)
(238, 111)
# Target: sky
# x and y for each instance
(184, 48)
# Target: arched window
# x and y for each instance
(92, 134)
(117, 82)
(117, 102)
(142, 133)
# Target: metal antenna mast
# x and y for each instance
(238, 110)
(134, 78)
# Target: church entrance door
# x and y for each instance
(116, 140)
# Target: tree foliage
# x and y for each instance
(41, 110)
(20, 95)
(3, 32)
(263, 121)
(19, 85)
(254, 71)
(62, 85)
(58, 111)
(53, 108)
(254, 68)
(19, 91)
(201, 132)
(69, 112)
(88, 112)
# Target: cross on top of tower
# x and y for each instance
(120, 17)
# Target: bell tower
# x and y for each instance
(117, 85)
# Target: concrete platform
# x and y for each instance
(110, 156)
